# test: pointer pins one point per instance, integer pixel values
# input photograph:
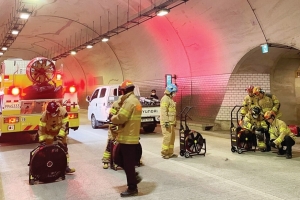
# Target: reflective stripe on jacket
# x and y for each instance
(167, 110)
(128, 120)
(278, 130)
(52, 126)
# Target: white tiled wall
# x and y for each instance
(235, 91)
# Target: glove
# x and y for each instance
(167, 125)
(274, 144)
(109, 117)
(114, 128)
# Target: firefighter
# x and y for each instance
(280, 135)
(168, 121)
(255, 125)
(267, 102)
(128, 150)
(54, 124)
(250, 100)
(112, 132)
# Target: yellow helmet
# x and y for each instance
(257, 90)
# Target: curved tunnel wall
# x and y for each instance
(201, 42)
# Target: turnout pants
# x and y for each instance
(168, 140)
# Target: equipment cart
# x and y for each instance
(191, 142)
(240, 140)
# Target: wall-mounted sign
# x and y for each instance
(264, 48)
(168, 79)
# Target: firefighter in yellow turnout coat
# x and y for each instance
(128, 149)
(280, 135)
(255, 123)
(112, 132)
(250, 101)
(168, 121)
(54, 123)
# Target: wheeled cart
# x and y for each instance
(47, 164)
(241, 139)
(191, 142)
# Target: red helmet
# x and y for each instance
(249, 89)
(52, 107)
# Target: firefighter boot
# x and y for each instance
(129, 192)
(138, 178)
(288, 152)
(280, 151)
(69, 170)
(105, 165)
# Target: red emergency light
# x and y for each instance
(15, 91)
(72, 89)
(58, 77)
(11, 120)
(73, 115)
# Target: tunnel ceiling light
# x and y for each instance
(162, 12)
(24, 14)
(89, 46)
(1, 53)
(157, 10)
(15, 32)
(4, 48)
(105, 39)
(73, 52)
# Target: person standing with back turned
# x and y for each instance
(168, 121)
(128, 120)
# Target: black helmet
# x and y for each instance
(52, 107)
(255, 112)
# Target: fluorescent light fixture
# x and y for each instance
(1, 53)
(162, 12)
(24, 15)
(73, 52)
(4, 48)
(89, 46)
(15, 32)
(105, 39)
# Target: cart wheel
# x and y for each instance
(181, 152)
(31, 182)
(240, 151)
(187, 154)
(233, 149)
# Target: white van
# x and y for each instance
(104, 96)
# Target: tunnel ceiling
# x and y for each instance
(198, 37)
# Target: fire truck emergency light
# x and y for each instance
(11, 120)
(72, 89)
(15, 91)
(73, 115)
(58, 77)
